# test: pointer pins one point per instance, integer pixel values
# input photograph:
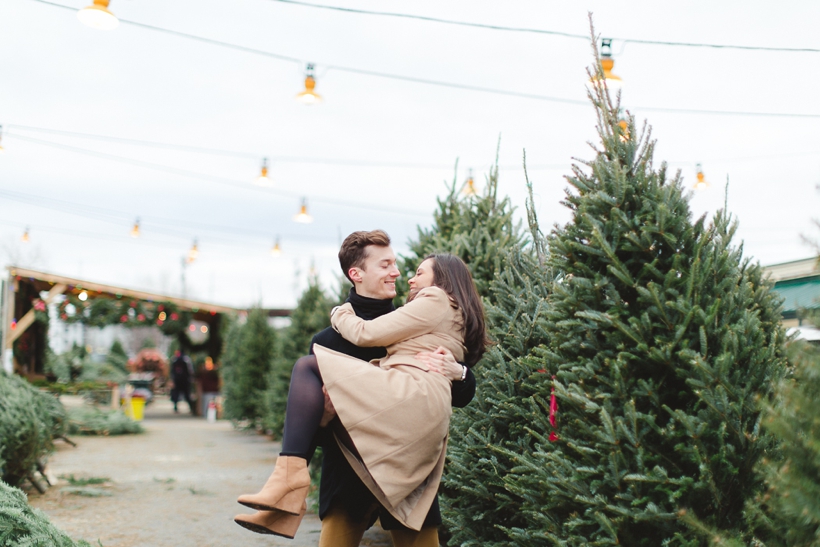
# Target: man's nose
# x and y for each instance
(395, 272)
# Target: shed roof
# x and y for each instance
(799, 294)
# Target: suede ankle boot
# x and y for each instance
(285, 490)
(277, 523)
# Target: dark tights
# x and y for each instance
(306, 404)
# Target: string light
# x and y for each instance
(469, 186)
(624, 125)
(193, 253)
(302, 216)
(25, 238)
(263, 179)
(83, 296)
(276, 250)
(309, 96)
(135, 231)
(98, 16)
(701, 183)
(613, 82)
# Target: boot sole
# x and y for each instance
(261, 529)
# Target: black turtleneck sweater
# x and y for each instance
(340, 486)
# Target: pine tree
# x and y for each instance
(29, 421)
(478, 228)
(22, 526)
(311, 315)
(475, 498)
(789, 512)
(247, 360)
(662, 339)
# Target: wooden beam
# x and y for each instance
(28, 319)
(184, 303)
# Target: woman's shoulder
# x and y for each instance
(433, 292)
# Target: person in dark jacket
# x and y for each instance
(182, 371)
(346, 506)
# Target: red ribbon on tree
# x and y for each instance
(553, 412)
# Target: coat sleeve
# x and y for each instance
(463, 392)
(420, 316)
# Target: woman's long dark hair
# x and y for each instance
(451, 275)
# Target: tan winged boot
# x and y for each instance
(277, 523)
(285, 490)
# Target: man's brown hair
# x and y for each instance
(353, 252)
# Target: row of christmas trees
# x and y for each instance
(640, 390)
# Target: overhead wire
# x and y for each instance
(542, 31)
(439, 83)
(340, 161)
(222, 180)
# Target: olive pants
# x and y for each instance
(339, 530)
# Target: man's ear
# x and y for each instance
(355, 274)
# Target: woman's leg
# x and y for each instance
(287, 487)
(306, 403)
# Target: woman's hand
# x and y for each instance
(442, 362)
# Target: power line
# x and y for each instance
(221, 180)
(452, 85)
(353, 162)
(230, 153)
(541, 31)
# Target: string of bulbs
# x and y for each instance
(98, 16)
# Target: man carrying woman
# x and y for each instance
(395, 416)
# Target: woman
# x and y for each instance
(395, 414)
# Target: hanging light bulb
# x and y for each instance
(309, 96)
(83, 296)
(624, 125)
(97, 16)
(193, 253)
(25, 238)
(263, 179)
(1, 139)
(276, 250)
(135, 231)
(469, 186)
(613, 82)
(701, 183)
(303, 215)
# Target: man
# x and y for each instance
(346, 506)
(182, 370)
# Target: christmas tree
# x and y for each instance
(475, 498)
(22, 526)
(476, 227)
(658, 340)
(788, 514)
(246, 360)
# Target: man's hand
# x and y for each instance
(442, 362)
(330, 410)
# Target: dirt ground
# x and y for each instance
(175, 485)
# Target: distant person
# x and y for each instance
(182, 370)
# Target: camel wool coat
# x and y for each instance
(396, 412)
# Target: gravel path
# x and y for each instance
(174, 485)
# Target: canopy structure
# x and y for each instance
(798, 282)
(27, 293)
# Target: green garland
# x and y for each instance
(102, 312)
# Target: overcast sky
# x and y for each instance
(377, 151)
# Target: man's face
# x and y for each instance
(377, 278)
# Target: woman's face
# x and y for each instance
(422, 279)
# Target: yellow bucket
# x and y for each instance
(136, 409)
